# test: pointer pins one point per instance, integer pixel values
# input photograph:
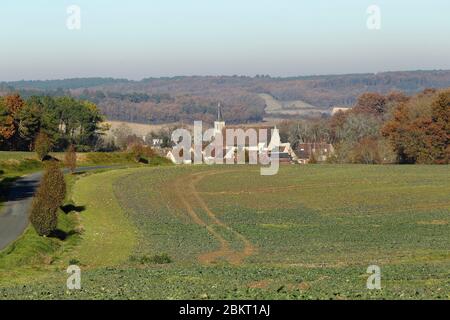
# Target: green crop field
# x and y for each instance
(227, 232)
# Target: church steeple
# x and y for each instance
(219, 113)
(219, 124)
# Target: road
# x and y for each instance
(14, 212)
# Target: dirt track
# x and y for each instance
(185, 190)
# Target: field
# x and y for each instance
(292, 108)
(139, 129)
(227, 232)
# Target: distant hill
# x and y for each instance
(76, 83)
(245, 99)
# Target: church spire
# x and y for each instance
(219, 124)
(219, 113)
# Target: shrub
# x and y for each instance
(70, 159)
(53, 185)
(43, 216)
(42, 145)
(21, 165)
(141, 152)
(161, 259)
(49, 197)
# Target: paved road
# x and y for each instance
(14, 212)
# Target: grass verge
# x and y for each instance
(97, 235)
(27, 257)
(108, 237)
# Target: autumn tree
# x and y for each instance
(140, 152)
(10, 107)
(419, 130)
(356, 134)
(366, 151)
(371, 102)
(335, 124)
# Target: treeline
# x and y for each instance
(74, 83)
(160, 100)
(392, 128)
(134, 97)
(181, 109)
(64, 121)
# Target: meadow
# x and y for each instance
(225, 232)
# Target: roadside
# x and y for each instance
(15, 211)
(92, 218)
(31, 257)
(14, 165)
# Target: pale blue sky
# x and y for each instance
(144, 38)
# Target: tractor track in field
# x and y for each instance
(185, 190)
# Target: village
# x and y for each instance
(246, 145)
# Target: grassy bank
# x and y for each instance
(108, 236)
(13, 169)
(32, 256)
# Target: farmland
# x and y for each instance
(308, 232)
(289, 108)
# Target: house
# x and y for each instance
(319, 151)
(284, 155)
(339, 109)
(157, 142)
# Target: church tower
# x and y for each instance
(219, 124)
(275, 140)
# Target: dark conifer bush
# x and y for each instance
(43, 216)
(47, 200)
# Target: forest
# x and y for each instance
(63, 121)
(177, 99)
(383, 129)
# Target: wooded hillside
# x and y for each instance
(159, 100)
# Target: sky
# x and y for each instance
(136, 39)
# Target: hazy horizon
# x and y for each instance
(142, 39)
(226, 75)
